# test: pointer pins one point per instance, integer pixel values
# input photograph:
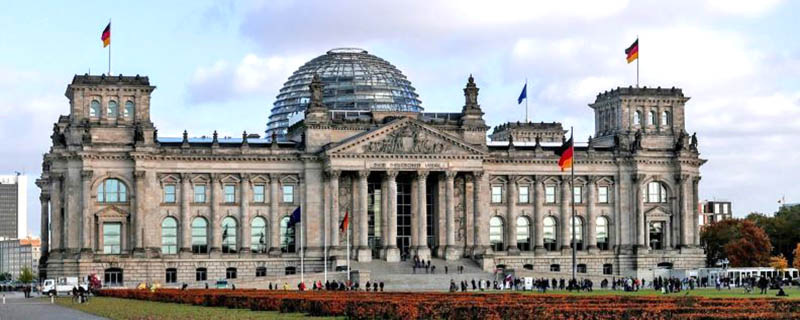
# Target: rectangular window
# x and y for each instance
(200, 274)
(200, 193)
(171, 276)
(169, 193)
(112, 237)
(497, 194)
(288, 194)
(258, 193)
(716, 208)
(523, 194)
(550, 194)
(230, 193)
(577, 194)
(602, 194)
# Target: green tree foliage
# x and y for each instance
(740, 241)
(782, 229)
(25, 275)
(796, 261)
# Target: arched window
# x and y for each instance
(128, 112)
(523, 234)
(651, 118)
(602, 233)
(287, 236)
(496, 233)
(228, 235)
(258, 235)
(199, 235)
(637, 119)
(656, 192)
(94, 109)
(169, 236)
(666, 120)
(549, 233)
(113, 109)
(578, 222)
(111, 191)
(113, 277)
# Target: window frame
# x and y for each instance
(523, 197)
(602, 194)
(262, 194)
(173, 194)
(113, 246)
(255, 245)
(129, 110)
(604, 245)
(290, 194)
(112, 110)
(548, 196)
(228, 245)
(120, 195)
(229, 193)
(201, 274)
(577, 194)
(171, 275)
(496, 197)
(198, 248)
(497, 242)
(231, 273)
(200, 197)
(169, 248)
(550, 246)
(96, 107)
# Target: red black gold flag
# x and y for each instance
(106, 37)
(345, 221)
(565, 153)
(633, 51)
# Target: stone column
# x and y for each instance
(333, 185)
(86, 213)
(694, 218)
(44, 199)
(244, 215)
(216, 244)
(274, 217)
(138, 214)
(591, 214)
(565, 222)
(186, 223)
(641, 229)
(423, 251)
(481, 214)
(56, 227)
(392, 252)
(538, 215)
(511, 216)
(364, 253)
(452, 252)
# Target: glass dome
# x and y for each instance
(353, 80)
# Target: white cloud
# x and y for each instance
(748, 8)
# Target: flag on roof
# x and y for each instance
(633, 51)
(565, 152)
(106, 36)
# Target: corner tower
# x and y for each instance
(655, 115)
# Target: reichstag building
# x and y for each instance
(348, 136)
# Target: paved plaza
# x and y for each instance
(16, 307)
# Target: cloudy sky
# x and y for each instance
(219, 64)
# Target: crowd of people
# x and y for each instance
(332, 286)
(426, 265)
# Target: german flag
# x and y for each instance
(633, 51)
(106, 37)
(565, 153)
(345, 222)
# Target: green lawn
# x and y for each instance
(794, 293)
(115, 308)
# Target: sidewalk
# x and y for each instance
(19, 308)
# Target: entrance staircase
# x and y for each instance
(399, 276)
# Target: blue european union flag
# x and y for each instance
(524, 94)
(295, 217)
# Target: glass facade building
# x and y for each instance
(353, 80)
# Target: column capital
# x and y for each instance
(363, 174)
(681, 177)
(274, 177)
(185, 176)
(478, 174)
(44, 197)
(333, 174)
(139, 174)
(512, 178)
(422, 174)
(450, 174)
(86, 174)
(392, 174)
(245, 177)
(638, 178)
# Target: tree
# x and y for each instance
(5, 276)
(25, 275)
(750, 248)
(740, 241)
(796, 262)
(782, 229)
(779, 263)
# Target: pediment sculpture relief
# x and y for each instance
(409, 139)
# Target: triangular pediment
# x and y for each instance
(657, 211)
(405, 136)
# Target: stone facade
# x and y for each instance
(121, 201)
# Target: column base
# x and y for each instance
(138, 253)
(478, 251)
(592, 249)
(423, 253)
(274, 252)
(364, 254)
(392, 254)
(86, 253)
(539, 250)
(452, 253)
(512, 250)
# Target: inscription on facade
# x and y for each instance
(407, 165)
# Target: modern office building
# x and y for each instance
(18, 253)
(714, 210)
(13, 206)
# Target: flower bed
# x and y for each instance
(399, 305)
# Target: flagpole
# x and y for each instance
(637, 61)
(325, 249)
(347, 234)
(302, 252)
(572, 167)
(109, 51)
(526, 101)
